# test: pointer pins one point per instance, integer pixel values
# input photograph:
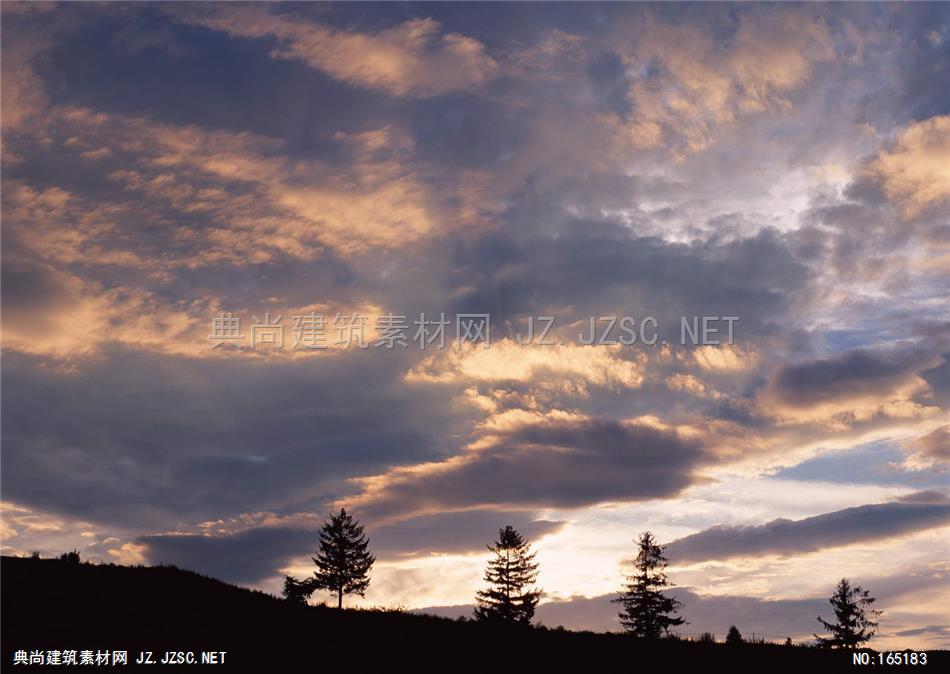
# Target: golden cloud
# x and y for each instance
(506, 360)
(412, 58)
(915, 171)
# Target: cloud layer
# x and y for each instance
(912, 513)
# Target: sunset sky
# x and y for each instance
(785, 164)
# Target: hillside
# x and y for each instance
(49, 604)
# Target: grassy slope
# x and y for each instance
(48, 604)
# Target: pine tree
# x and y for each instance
(511, 596)
(297, 591)
(733, 636)
(343, 561)
(647, 612)
(854, 618)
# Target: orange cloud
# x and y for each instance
(412, 58)
(706, 86)
(915, 171)
(506, 360)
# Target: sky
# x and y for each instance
(167, 165)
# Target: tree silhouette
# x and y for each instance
(647, 612)
(511, 574)
(297, 591)
(854, 618)
(343, 561)
(70, 557)
(733, 636)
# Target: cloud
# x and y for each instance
(412, 58)
(458, 532)
(930, 449)
(852, 386)
(506, 360)
(142, 439)
(724, 358)
(57, 314)
(213, 196)
(914, 171)
(246, 558)
(261, 548)
(915, 512)
(690, 84)
(555, 459)
(23, 95)
(942, 631)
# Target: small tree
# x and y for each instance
(733, 636)
(343, 561)
(647, 612)
(511, 574)
(854, 617)
(297, 591)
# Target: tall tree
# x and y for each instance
(854, 617)
(343, 561)
(511, 596)
(647, 612)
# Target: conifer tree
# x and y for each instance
(511, 596)
(343, 561)
(647, 612)
(854, 618)
(733, 636)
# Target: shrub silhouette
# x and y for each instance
(297, 591)
(70, 557)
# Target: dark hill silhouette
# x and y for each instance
(50, 604)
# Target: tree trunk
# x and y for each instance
(339, 598)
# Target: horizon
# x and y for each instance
(588, 270)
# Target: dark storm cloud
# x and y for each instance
(550, 464)
(848, 375)
(248, 557)
(600, 266)
(142, 439)
(916, 512)
(258, 554)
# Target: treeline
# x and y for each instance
(343, 564)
